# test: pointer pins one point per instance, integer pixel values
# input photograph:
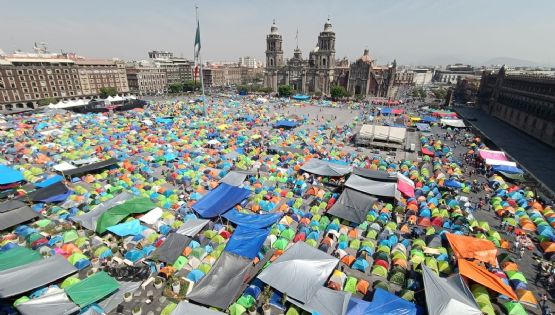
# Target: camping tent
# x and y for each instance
(482, 276)
(474, 248)
(446, 296)
(220, 200)
(371, 187)
(300, 271)
(326, 168)
(352, 206)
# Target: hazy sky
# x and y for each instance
(412, 31)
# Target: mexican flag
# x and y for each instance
(197, 41)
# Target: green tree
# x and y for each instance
(108, 91)
(47, 101)
(419, 93)
(440, 93)
(337, 91)
(191, 86)
(176, 87)
(285, 90)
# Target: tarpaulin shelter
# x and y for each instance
(386, 303)
(507, 169)
(285, 124)
(492, 155)
(381, 176)
(89, 220)
(429, 119)
(482, 276)
(383, 133)
(220, 200)
(423, 127)
(186, 308)
(8, 175)
(405, 185)
(300, 97)
(326, 302)
(371, 187)
(15, 212)
(111, 302)
(300, 271)
(90, 168)
(171, 248)
(473, 248)
(192, 227)
(285, 149)
(326, 168)
(498, 162)
(29, 276)
(352, 206)
(252, 220)
(457, 123)
(246, 241)
(49, 192)
(18, 256)
(92, 289)
(234, 178)
(49, 181)
(53, 302)
(221, 286)
(446, 296)
(152, 216)
(116, 214)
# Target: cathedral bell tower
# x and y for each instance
(274, 57)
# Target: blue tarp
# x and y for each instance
(252, 220)
(385, 303)
(452, 183)
(300, 97)
(164, 120)
(49, 181)
(423, 127)
(429, 119)
(357, 306)
(246, 241)
(507, 169)
(132, 227)
(57, 198)
(386, 111)
(220, 200)
(9, 175)
(285, 124)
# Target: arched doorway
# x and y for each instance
(358, 90)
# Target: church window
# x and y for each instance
(324, 62)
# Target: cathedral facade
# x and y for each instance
(321, 70)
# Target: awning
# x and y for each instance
(375, 174)
(18, 256)
(220, 200)
(482, 276)
(300, 271)
(492, 155)
(16, 216)
(54, 302)
(456, 123)
(90, 168)
(172, 247)
(223, 283)
(252, 220)
(246, 241)
(326, 168)
(371, 187)
(474, 248)
(445, 296)
(352, 206)
(500, 162)
(43, 194)
(49, 181)
(92, 289)
(30, 276)
(507, 169)
(234, 178)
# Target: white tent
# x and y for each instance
(457, 123)
(383, 133)
(500, 162)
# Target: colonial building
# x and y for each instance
(525, 101)
(367, 79)
(178, 70)
(95, 74)
(452, 73)
(317, 74)
(146, 79)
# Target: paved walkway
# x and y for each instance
(536, 157)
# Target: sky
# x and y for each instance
(414, 32)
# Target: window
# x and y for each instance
(39, 71)
(57, 71)
(27, 96)
(8, 72)
(54, 94)
(66, 71)
(37, 95)
(13, 85)
(35, 89)
(25, 90)
(24, 84)
(41, 77)
(19, 72)
(46, 95)
(53, 88)
(45, 89)
(67, 76)
(50, 77)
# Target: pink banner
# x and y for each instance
(493, 155)
(405, 185)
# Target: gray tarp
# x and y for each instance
(111, 302)
(10, 205)
(222, 285)
(448, 295)
(326, 302)
(192, 227)
(33, 275)
(371, 187)
(234, 178)
(16, 216)
(300, 271)
(89, 219)
(171, 248)
(375, 174)
(326, 168)
(352, 206)
(186, 308)
(54, 302)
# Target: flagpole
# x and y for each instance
(200, 67)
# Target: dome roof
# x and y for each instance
(327, 26)
(274, 28)
(366, 57)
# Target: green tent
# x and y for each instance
(351, 285)
(18, 256)
(70, 236)
(514, 308)
(180, 262)
(116, 214)
(379, 271)
(237, 309)
(246, 301)
(92, 289)
(280, 244)
(68, 282)
(516, 275)
(75, 257)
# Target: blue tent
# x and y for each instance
(386, 111)
(49, 181)
(429, 119)
(252, 220)
(423, 127)
(9, 175)
(220, 200)
(132, 227)
(300, 97)
(360, 264)
(507, 169)
(195, 275)
(285, 124)
(357, 306)
(452, 183)
(246, 241)
(385, 303)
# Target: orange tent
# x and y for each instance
(471, 247)
(482, 276)
(526, 297)
(509, 266)
(548, 247)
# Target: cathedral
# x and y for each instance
(322, 71)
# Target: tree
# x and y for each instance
(419, 93)
(47, 101)
(285, 90)
(338, 91)
(108, 91)
(176, 87)
(191, 86)
(440, 93)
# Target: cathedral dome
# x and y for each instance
(274, 28)
(366, 57)
(327, 26)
